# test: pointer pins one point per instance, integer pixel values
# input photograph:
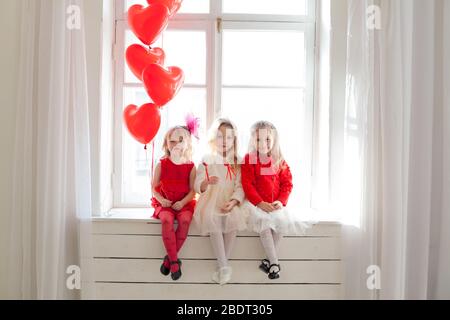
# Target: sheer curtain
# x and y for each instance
(395, 207)
(51, 187)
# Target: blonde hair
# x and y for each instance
(276, 153)
(188, 152)
(212, 136)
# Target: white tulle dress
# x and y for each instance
(208, 215)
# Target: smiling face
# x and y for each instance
(225, 139)
(264, 141)
(177, 142)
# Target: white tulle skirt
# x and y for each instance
(282, 221)
(215, 221)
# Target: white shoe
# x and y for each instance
(225, 275)
(215, 277)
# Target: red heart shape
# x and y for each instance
(139, 57)
(172, 5)
(143, 123)
(148, 23)
(162, 84)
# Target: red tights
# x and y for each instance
(173, 240)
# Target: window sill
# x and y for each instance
(145, 215)
(127, 215)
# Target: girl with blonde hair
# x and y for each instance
(267, 183)
(173, 193)
(219, 212)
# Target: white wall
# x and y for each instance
(9, 59)
(9, 29)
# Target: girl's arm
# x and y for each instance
(248, 182)
(199, 179)
(155, 184)
(201, 182)
(191, 193)
(238, 193)
(285, 183)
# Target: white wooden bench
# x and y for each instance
(128, 252)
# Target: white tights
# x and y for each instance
(270, 241)
(222, 244)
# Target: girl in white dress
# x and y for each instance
(219, 212)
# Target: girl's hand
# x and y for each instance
(265, 206)
(277, 205)
(166, 203)
(227, 207)
(205, 183)
(212, 180)
(177, 206)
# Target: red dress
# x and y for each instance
(261, 183)
(174, 185)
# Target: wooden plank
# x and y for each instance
(142, 246)
(200, 271)
(180, 291)
(153, 227)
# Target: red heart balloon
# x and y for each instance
(162, 84)
(142, 123)
(139, 57)
(148, 23)
(173, 5)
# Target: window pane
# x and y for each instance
(270, 58)
(187, 50)
(283, 7)
(137, 161)
(184, 49)
(187, 6)
(194, 6)
(286, 109)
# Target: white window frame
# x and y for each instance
(211, 23)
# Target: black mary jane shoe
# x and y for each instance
(264, 266)
(164, 270)
(274, 274)
(176, 275)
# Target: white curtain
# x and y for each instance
(396, 208)
(52, 179)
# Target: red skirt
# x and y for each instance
(190, 206)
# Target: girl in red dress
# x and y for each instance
(173, 194)
(267, 183)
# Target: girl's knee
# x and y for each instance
(185, 219)
(167, 223)
(184, 223)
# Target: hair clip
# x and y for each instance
(193, 124)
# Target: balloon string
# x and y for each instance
(146, 154)
(153, 157)
(146, 161)
(146, 157)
